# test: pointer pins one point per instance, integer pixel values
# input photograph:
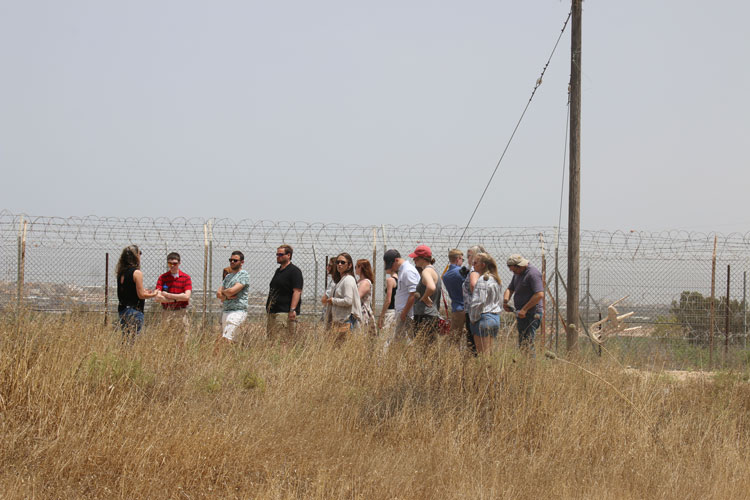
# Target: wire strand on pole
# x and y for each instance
(515, 129)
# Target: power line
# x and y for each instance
(533, 92)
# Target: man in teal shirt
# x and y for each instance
(233, 295)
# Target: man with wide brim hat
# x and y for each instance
(527, 289)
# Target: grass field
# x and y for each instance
(81, 416)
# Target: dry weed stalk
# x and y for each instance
(82, 416)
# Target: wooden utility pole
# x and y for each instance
(574, 190)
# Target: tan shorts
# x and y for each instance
(278, 322)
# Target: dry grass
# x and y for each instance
(83, 417)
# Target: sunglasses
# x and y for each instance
(234, 260)
(341, 262)
(280, 254)
(173, 263)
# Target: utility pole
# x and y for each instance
(574, 190)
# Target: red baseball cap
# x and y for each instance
(422, 251)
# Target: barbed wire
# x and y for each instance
(191, 233)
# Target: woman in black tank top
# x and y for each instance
(131, 294)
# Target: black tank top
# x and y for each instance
(392, 305)
(127, 295)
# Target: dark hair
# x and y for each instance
(431, 260)
(336, 274)
(287, 250)
(174, 256)
(130, 257)
(242, 255)
(366, 270)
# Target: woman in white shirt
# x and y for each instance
(346, 309)
(486, 303)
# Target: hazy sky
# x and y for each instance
(374, 113)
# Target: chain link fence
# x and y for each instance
(58, 264)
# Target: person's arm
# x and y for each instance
(220, 293)
(409, 304)
(506, 299)
(390, 283)
(473, 277)
(534, 300)
(363, 287)
(429, 281)
(233, 290)
(178, 297)
(296, 294)
(142, 292)
(297, 283)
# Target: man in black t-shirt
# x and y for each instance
(284, 295)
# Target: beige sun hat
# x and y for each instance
(517, 260)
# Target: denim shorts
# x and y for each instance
(487, 326)
(131, 323)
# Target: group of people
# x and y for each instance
(411, 309)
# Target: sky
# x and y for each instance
(375, 112)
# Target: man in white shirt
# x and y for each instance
(406, 293)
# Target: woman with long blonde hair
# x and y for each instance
(486, 303)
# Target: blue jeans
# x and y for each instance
(487, 326)
(353, 322)
(527, 328)
(131, 324)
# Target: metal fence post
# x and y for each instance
(210, 253)
(557, 300)
(21, 261)
(106, 287)
(712, 310)
(744, 307)
(205, 273)
(726, 321)
(315, 290)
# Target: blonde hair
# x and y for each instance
(490, 266)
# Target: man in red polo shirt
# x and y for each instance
(174, 288)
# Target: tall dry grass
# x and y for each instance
(81, 416)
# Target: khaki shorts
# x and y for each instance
(276, 323)
(175, 320)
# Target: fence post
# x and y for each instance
(726, 321)
(744, 306)
(557, 300)
(544, 302)
(588, 293)
(205, 273)
(210, 253)
(315, 290)
(21, 261)
(106, 287)
(711, 310)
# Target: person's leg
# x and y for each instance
(526, 331)
(457, 326)
(470, 336)
(272, 328)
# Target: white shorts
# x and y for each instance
(230, 320)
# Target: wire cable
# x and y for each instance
(518, 124)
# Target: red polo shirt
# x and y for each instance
(174, 285)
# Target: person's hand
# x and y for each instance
(507, 308)
(427, 300)
(292, 315)
(380, 322)
(403, 316)
(220, 295)
(324, 299)
(521, 313)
